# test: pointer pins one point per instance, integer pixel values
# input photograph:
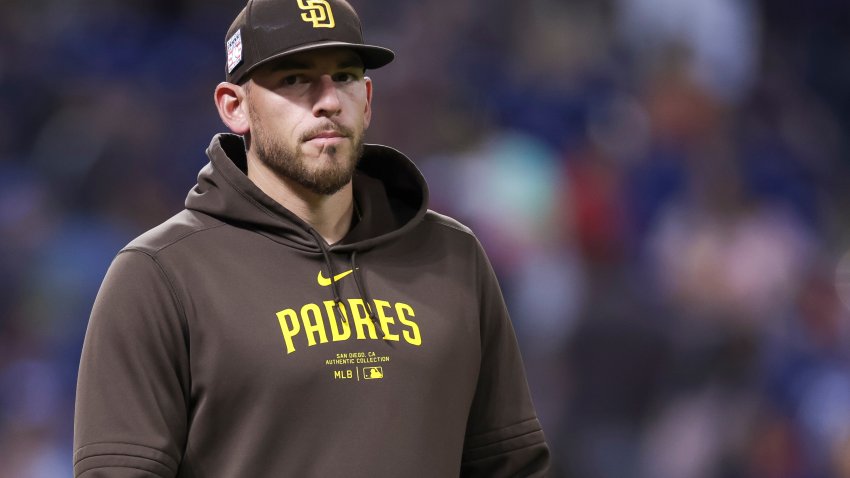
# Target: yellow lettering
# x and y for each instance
(349, 320)
(288, 332)
(336, 334)
(361, 319)
(403, 311)
(343, 374)
(317, 326)
(385, 320)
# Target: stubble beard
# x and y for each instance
(291, 163)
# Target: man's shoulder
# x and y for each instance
(450, 222)
(174, 230)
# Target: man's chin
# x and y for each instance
(327, 174)
(326, 186)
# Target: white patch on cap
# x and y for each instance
(234, 51)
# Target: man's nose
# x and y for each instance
(327, 97)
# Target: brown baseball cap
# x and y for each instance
(269, 29)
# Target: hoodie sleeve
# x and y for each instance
(132, 392)
(503, 435)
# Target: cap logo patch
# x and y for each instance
(234, 51)
(317, 12)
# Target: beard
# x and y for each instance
(291, 162)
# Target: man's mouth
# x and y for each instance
(327, 135)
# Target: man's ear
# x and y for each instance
(232, 107)
(368, 112)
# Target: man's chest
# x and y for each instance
(272, 326)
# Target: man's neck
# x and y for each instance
(329, 215)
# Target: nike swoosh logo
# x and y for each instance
(324, 281)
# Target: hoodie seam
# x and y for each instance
(124, 467)
(154, 251)
(502, 452)
(95, 443)
(171, 289)
(463, 229)
(183, 317)
(496, 430)
(128, 455)
(504, 440)
(119, 467)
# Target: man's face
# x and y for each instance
(308, 114)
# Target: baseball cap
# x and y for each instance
(269, 29)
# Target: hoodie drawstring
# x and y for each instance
(331, 272)
(361, 288)
(358, 281)
(364, 294)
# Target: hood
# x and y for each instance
(390, 192)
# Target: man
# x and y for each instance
(306, 315)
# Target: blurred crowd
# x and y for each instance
(660, 185)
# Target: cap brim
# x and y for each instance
(373, 56)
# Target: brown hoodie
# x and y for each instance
(220, 344)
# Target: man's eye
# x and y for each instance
(292, 80)
(344, 77)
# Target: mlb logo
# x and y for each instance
(372, 373)
(234, 51)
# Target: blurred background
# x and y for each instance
(662, 185)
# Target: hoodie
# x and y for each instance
(232, 341)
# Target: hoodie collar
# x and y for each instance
(390, 192)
